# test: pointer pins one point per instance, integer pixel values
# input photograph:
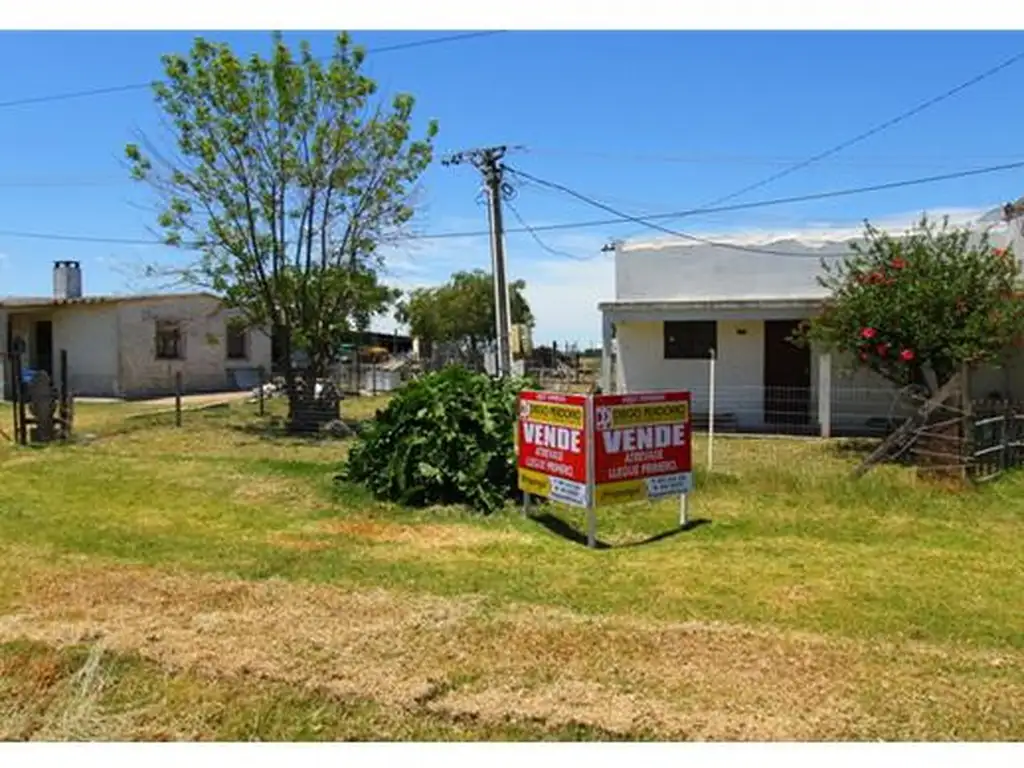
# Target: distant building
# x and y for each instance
(130, 346)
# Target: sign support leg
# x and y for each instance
(591, 528)
(684, 510)
(526, 505)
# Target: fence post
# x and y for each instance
(711, 410)
(65, 396)
(263, 378)
(1005, 458)
(19, 400)
(19, 388)
(177, 398)
(825, 394)
(967, 428)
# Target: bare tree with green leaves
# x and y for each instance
(287, 177)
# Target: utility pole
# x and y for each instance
(488, 161)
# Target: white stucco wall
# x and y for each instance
(738, 368)
(781, 265)
(205, 367)
(857, 396)
(682, 280)
(89, 334)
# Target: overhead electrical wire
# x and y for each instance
(149, 83)
(619, 218)
(872, 131)
(878, 161)
(540, 241)
(674, 232)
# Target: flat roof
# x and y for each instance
(743, 302)
(32, 302)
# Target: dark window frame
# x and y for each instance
(689, 339)
(169, 340)
(236, 332)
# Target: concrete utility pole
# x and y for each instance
(488, 161)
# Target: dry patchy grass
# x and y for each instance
(622, 676)
(223, 554)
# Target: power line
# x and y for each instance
(623, 219)
(873, 131)
(879, 161)
(149, 83)
(619, 218)
(646, 223)
(537, 238)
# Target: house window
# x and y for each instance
(170, 342)
(237, 341)
(692, 340)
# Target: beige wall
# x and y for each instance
(205, 366)
(88, 334)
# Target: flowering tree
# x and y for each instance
(914, 308)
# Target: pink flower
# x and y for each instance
(907, 355)
(868, 333)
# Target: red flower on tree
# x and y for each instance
(898, 263)
(907, 355)
(868, 333)
(882, 349)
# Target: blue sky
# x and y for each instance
(643, 121)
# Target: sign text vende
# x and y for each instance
(641, 440)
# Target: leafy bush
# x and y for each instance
(931, 300)
(445, 438)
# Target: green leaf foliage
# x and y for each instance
(931, 300)
(461, 311)
(284, 176)
(445, 438)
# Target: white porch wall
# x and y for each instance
(738, 367)
(857, 397)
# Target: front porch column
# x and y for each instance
(607, 329)
(825, 393)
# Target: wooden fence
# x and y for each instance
(997, 442)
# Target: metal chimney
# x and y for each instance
(67, 280)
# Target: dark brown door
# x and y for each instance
(43, 357)
(787, 376)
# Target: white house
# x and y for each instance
(130, 346)
(677, 300)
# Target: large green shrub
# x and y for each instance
(445, 438)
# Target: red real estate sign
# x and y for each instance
(641, 446)
(551, 444)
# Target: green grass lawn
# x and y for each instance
(803, 604)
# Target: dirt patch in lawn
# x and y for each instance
(423, 536)
(695, 680)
